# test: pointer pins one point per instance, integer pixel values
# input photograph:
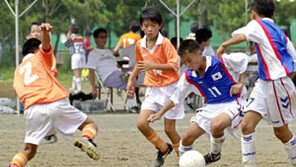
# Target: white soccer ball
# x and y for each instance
(192, 159)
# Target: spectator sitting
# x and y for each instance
(103, 62)
(203, 37)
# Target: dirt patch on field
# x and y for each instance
(122, 145)
(6, 90)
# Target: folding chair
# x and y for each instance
(108, 91)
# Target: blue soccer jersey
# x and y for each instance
(216, 83)
(276, 54)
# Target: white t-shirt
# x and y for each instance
(103, 61)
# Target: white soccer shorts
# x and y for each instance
(274, 100)
(206, 114)
(156, 98)
(58, 116)
(77, 61)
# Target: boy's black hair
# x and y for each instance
(174, 40)
(188, 46)
(30, 46)
(263, 8)
(75, 29)
(34, 23)
(152, 14)
(194, 27)
(202, 35)
(98, 31)
(134, 26)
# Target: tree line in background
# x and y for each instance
(115, 16)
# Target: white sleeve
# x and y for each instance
(237, 62)
(92, 61)
(291, 51)
(251, 31)
(184, 88)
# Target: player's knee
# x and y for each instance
(142, 124)
(216, 126)
(247, 128)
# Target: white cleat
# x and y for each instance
(89, 147)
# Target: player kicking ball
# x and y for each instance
(222, 84)
(45, 100)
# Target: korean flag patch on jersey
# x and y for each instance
(217, 76)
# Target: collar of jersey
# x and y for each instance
(267, 19)
(27, 56)
(159, 40)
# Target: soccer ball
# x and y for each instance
(192, 159)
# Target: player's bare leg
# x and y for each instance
(218, 125)
(248, 141)
(193, 132)
(86, 143)
(21, 159)
(163, 148)
(289, 140)
(170, 130)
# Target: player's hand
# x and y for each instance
(94, 92)
(220, 51)
(45, 27)
(154, 117)
(145, 65)
(130, 89)
(236, 88)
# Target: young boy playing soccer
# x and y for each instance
(45, 102)
(222, 84)
(35, 32)
(273, 97)
(156, 55)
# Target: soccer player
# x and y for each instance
(76, 46)
(157, 56)
(45, 102)
(128, 38)
(273, 97)
(222, 84)
(35, 32)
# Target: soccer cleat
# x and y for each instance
(162, 155)
(211, 157)
(51, 138)
(88, 146)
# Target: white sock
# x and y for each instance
(216, 144)
(78, 83)
(248, 143)
(290, 148)
(183, 149)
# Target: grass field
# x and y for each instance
(122, 145)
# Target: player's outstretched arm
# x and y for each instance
(232, 41)
(169, 105)
(45, 28)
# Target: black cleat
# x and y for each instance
(162, 155)
(51, 138)
(211, 157)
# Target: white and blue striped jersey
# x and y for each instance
(217, 81)
(276, 54)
